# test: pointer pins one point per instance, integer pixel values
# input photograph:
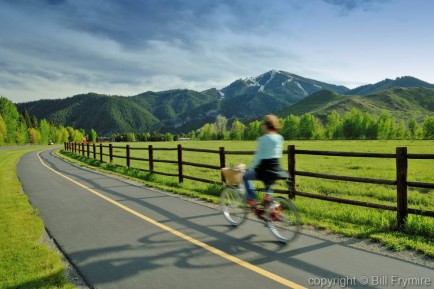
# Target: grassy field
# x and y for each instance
(25, 261)
(349, 220)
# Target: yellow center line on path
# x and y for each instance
(203, 245)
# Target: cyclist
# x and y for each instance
(265, 165)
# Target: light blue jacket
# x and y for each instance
(269, 146)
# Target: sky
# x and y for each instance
(60, 48)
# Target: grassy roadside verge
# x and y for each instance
(25, 261)
(351, 221)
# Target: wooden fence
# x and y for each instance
(401, 156)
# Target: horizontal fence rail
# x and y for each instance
(345, 154)
(401, 182)
(346, 178)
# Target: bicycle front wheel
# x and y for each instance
(283, 219)
(233, 203)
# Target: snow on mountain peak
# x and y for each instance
(250, 81)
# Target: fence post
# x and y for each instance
(88, 149)
(180, 167)
(291, 165)
(151, 159)
(111, 152)
(401, 186)
(94, 151)
(100, 152)
(82, 148)
(222, 160)
(128, 155)
(74, 147)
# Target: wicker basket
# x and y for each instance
(233, 175)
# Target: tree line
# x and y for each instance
(353, 125)
(21, 128)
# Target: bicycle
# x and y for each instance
(279, 214)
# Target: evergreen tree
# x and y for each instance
(27, 118)
(34, 122)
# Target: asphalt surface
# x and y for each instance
(112, 247)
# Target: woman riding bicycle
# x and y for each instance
(265, 165)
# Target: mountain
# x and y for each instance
(106, 114)
(182, 110)
(109, 114)
(405, 81)
(312, 103)
(402, 103)
(252, 97)
(288, 86)
(178, 110)
(167, 105)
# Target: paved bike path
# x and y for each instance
(114, 248)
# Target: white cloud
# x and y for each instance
(115, 48)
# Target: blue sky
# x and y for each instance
(59, 48)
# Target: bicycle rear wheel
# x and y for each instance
(283, 219)
(233, 203)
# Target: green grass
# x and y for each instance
(25, 261)
(353, 221)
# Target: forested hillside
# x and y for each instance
(182, 110)
(178, 110)
(22, 129)
(401, 103)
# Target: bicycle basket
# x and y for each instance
(233, 176)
